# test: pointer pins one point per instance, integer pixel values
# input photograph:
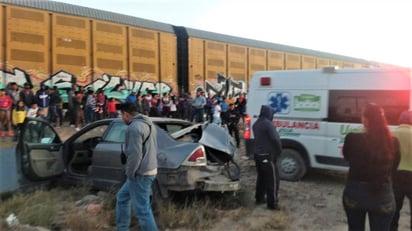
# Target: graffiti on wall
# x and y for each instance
(15, 75)
(117, 87)
(112, 86)
(225, 86)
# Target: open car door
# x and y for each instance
(39, 150)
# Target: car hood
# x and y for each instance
(212, 136)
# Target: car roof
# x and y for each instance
(159, 120)
(165, 119)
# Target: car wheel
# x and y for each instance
(291, 165)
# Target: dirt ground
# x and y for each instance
(314, 203)
(311, 204)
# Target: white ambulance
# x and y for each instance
(315, 109)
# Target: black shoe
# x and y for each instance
(260, 202)
(274, 207)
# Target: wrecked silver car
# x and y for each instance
(195, 157)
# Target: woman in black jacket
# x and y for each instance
(372, 155)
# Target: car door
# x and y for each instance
(39, 150)
(107, 171)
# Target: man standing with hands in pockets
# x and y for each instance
(267, 149)
(141, 170)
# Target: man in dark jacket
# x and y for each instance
(267, 149)
(54, 106)
(27, 95)
(43, 98)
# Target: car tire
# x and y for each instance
(291, 165)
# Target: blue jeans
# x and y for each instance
(199, 114)
(90, 115)
(138, 192)
(359, 199)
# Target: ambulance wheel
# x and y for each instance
(291, 165)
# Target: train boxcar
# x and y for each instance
(62, 45)
(224, 63)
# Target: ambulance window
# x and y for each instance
(346, 105)
(347, 109)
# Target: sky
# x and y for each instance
(374, 30)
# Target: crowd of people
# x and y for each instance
(16, 104)
(87, 105)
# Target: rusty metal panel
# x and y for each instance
(359, 65)
(87, 12)
(144, 54)
(215, 54)
(292, 61)
(237, 63)
(348, 65)
(276, 60)
(196, 63)
(168, 59)
(308, 62)
(28, 43)
(71, 46)
(257, 61)
(322, 62)
(109, 48)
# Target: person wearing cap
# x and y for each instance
(267, 149)
(27, 95)
(402, 178)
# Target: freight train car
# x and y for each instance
(236, 59)
(62, 45)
